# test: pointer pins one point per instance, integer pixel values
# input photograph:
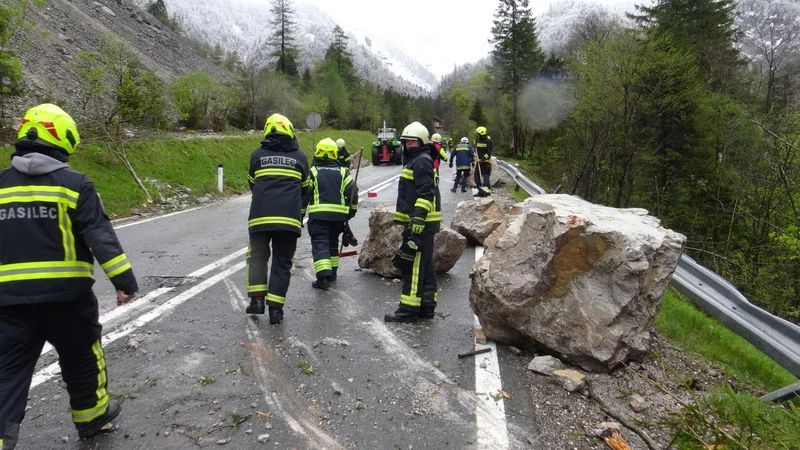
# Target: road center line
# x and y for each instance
(490, 414)
(139, 222)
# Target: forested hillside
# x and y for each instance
(687, 108)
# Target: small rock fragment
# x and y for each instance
(436, 364)
(65, 439)
(268, 426)
(262, 438)
(546, 365)
(515, 350)
(170, 349)
(166, 434)
(601, 428)
(571, 380)
(223, 441)
(638, 403)
(249, 431)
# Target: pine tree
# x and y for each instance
(282, 40)
(477, 114)
(703, 27)
(517, 56)
(339, 57)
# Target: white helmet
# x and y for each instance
(436, 137)
(416, 130)
(464, 140)
(340, 143)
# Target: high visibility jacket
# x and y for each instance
(52, 226)
(281, 185)
(485, 147)
(418, 189)
(333, 189)
(464, 155)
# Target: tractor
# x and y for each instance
(387, 149)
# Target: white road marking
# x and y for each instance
(158, 312)
(155, 218)
(125, 329)
(380, 186)
(490, 414)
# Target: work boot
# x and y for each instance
(401, 315)
(323, 283)
(256, 306)
(275, 315)
(463, 189)
(453, 190)
(333, 275)
(426, 313)
(89, 429)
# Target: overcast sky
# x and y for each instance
(436, 32)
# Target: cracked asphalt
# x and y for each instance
(193, 370)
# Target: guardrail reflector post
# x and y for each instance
(219, 178)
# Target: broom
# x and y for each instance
(354, 252)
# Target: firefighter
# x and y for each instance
(333, 202)
(419, 209)
(344, 158)
(484, 147)
(52, 226)
(438, 154)
(281, 185)
(464, 155)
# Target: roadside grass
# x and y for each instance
(518, 195)
(166, 162)
(692, 330)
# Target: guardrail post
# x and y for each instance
(219, 178)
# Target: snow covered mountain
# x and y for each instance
(243, 25)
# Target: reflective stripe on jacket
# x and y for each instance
(463, 154)
(418, 189)
(281, 185)
(333, 187)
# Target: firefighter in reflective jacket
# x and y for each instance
(419, 209)
(52, 227)
(281, 185)
(484, 147)
(344, 157)
(464, 155)
(329, 209)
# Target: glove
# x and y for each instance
(348, 240)
(486, 156)
(451, 165)
(417, 225)
(404, 257)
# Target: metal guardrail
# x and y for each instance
(777, 338)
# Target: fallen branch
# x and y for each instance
(474, 352)
(603, 407)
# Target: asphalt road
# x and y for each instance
(193, 370)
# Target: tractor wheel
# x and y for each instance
(376, 156)
(397, 156)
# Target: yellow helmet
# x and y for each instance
(277, 123)
(436, 137)
(340, 143)
(416, 130)
(327, 148)
(481, 131)
(50, 125)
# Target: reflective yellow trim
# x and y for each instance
(250, 178)
(415, 275)
(50, 194)
(401, 217)
(434, 217)
(257, 288)
(116, 266)
(279, 173)
(124, 268)
(334, 261)
(276, 298)
(315, 172)
(424, 204)
(328, 207)
(45, 270)
(408, 174)
(87, 415)
(410, 301)
(307, 183)
(112, 262)
(274, 220)
(322, 265)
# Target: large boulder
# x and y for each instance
(582, 280)
(385, 237)
(477, 219)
